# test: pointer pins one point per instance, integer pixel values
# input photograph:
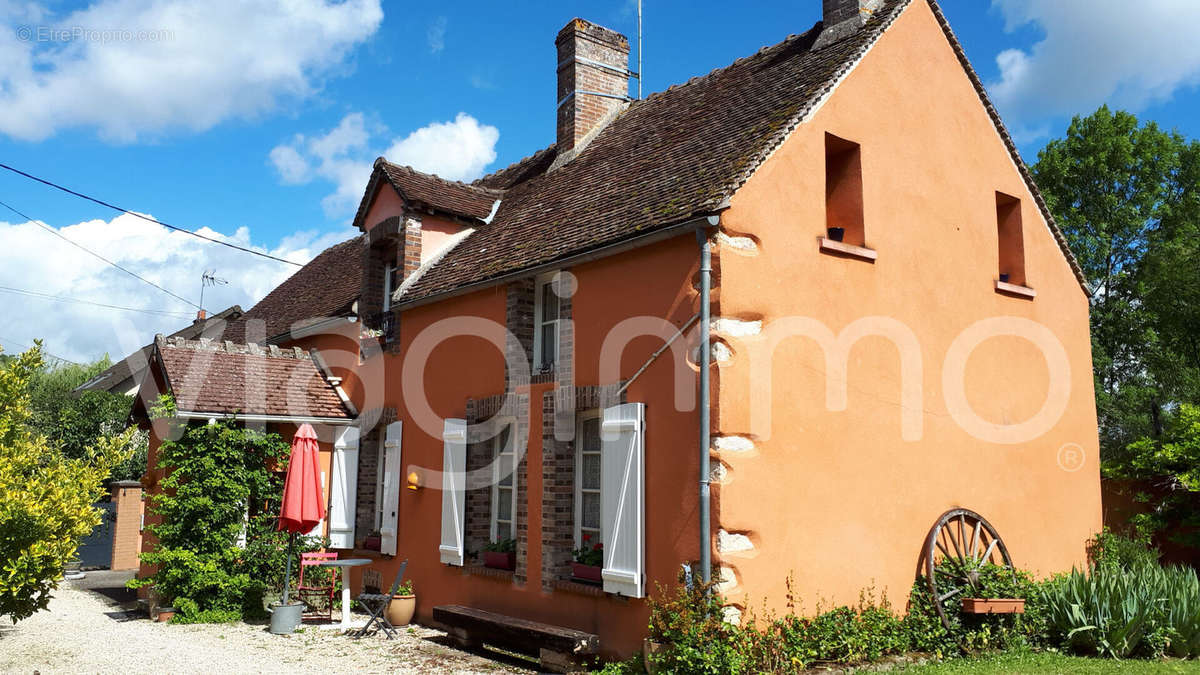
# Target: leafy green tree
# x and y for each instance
(46, 497)
(75, 419)
(1126, 196)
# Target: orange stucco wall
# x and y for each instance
(839, 498)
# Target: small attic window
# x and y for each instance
(1010, 243)
(844, 191)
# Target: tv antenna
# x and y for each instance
(209, 278)
(639, 75)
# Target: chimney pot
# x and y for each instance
(201, 315)
(593, 79)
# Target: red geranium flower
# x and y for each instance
(587, 537)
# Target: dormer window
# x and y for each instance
(547, 314)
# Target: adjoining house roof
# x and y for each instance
(674, 156)
(224, 378)
(326, 287)
(132, 366)
(424, 190)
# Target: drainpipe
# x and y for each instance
(705, 358)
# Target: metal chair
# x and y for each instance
(317, 596)
(377, 605)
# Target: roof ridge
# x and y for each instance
(513, 165)
(230, 347)
(410, 169)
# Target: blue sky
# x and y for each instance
(246, 118)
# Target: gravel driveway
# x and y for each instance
(90, 631)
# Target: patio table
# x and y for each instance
(345, 564)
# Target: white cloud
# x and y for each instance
(35, 260)
(456, 150)
(1127, 54)
(165, 65)
(436, 35)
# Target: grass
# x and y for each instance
(1050, 662)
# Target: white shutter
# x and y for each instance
(343, 493)
(388, 527)
(623, 499)
(454, 465)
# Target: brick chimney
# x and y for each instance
(843, 18)
(593, 79)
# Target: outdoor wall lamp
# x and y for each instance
(414, 481)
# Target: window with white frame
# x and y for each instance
(390, 284)
(545, 319)
(504, 486)
(587, 479)
(380, 472)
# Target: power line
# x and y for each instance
(63, 298)
(29, 346)
(147, 218)
(60, 235)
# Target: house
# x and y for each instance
(124, 376)
(897, 329)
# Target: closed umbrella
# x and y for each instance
(303, 505)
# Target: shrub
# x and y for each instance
(1115, 552)
(46, 496)
(690, 621)
(1109, 611)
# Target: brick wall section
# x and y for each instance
(558, 480)
(503, 408)
(579, 114)
(368, 473)
(518, 318)
(127, 531)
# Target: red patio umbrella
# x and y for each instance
(303, 501)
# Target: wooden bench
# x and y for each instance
(558, 649)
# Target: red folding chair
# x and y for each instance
(317, 592)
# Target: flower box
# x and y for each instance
(373, 542)
(993, 605)
(500, 561)
(588, 573)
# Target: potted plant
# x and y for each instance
(164, 614)
(988, 588)
(587, 562)
(1004, 277)
(836, 233)
(501, 554)
(404, 605)
(373, 541)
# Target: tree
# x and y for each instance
(1126, 197)
(46, 497)
(76, 419)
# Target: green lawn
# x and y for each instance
(1045, 662)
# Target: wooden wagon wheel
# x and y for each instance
(960, 543)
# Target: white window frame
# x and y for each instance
(538, 300)
(509, 449)
(388, 271)
(579, 489)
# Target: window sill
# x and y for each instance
(489, 572)
(843, 250)
(1015, 289)
(568, 586)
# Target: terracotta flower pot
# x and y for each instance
(400, 612)
(993, 605)
(500, 561)
(164, 614)
(649, 649)
(586, 572)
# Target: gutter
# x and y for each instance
(661, 234)
(194, 415)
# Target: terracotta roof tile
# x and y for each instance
(326, 287)
(224, 378)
